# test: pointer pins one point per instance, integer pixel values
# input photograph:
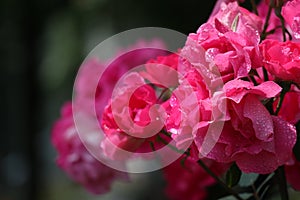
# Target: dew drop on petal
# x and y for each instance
(296, 26)
(210, 54)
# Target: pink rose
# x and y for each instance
(252, 135)
(282, 59)
(132, 119)
(227, 45)
(76, 161)
(291, 13)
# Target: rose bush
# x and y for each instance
(230, 94)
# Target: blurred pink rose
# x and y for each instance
(76, 161)
(93, 89)
(282, 59)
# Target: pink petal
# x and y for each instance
(285, 138)
(260, 117)
(262, 163)
(268, 88)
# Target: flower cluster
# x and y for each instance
(231, 94)
(73, 156)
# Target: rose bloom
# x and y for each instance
(131, 121)
(76, 161)
(227, 45)
(251, 137)
(282, 59)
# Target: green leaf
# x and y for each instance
(233, 175)
(247, 179)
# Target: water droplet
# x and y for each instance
(286, 51)
(173, 131)
(210, 54)
(296, 26)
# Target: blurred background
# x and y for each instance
(43, 43)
